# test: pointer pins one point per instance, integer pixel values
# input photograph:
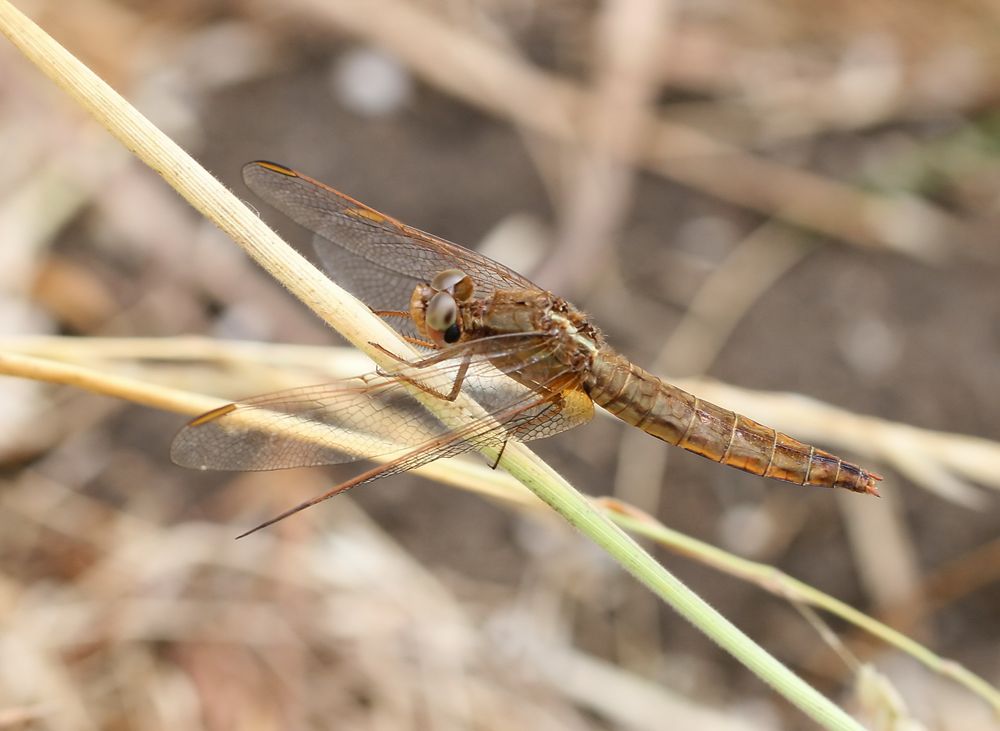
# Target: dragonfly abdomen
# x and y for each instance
(675, 416)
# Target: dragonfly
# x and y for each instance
(534, 363)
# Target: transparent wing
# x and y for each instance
(376, 258)
(537, 414)
(376, 415)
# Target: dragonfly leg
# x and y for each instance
(459, 378)
(430, 360)
(456, 387)
(403, 316)
(500, 453)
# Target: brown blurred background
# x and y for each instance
(784, 196)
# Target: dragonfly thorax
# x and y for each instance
(574, 340)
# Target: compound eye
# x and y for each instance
(454, 281)
(441, 312)
(446, 280)
(463, 289)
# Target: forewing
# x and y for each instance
(375, 257)
(376, 415)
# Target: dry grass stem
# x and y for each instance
(98, 380)
(947, 459)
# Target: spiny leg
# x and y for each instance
(459, 378)
(417, 341)
(463, 369)
(456, 387)
(430, 360)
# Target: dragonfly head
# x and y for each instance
(435, 307)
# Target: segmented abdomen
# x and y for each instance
(675, 416)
